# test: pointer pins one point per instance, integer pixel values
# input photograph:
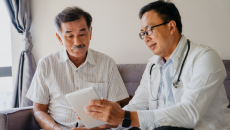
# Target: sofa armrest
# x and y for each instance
(18, 119)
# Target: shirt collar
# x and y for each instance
(176, 50)
(63, 56)
(181, 45)
(89, 58)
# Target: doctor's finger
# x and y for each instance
(95, 108)
(103, 116)
(104, 126)
(100, 103)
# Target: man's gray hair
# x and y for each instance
(71, 14)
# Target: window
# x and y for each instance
(6, 81)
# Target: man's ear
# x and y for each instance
(172, 27)
(59, 38)
(91, 32)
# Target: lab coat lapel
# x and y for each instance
(177, 92)
(179, 56)
(155, 80)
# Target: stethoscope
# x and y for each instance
(177, 82)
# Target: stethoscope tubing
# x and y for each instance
(182, 66)
(181, 69)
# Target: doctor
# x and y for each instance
(182, 85)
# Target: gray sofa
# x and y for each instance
(23, 119)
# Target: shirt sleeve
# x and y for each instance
(116, 87)
(147, 120)
(38, 91)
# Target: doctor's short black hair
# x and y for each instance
(166, 10)
(71, 14)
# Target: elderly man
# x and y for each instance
(71, 69)
(182, 85)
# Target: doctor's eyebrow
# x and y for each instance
(146, 27)
(83, 29)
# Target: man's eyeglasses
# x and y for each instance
(149, 31)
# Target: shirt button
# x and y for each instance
(173, 123)
(77, 88)
(147, 128)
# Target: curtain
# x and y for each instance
(20, 15)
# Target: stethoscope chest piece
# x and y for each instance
(177, 84)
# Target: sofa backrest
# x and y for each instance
(132, 74)
(227, 79)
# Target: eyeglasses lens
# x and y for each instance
(149, 31)
(142, 35)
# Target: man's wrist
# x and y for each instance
(55, 127)
(134, 119)
(123, 116)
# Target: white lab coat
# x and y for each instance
(201, 100)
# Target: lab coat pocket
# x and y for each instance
(185, 79)
(101, 89)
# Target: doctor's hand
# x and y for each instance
(106, 111)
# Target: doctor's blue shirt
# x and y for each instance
(165, 94)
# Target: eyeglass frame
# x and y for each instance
(151, 30)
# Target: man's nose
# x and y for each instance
(77, 41)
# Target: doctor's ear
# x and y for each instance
(172, 27)
(59, 38)
(91, 28)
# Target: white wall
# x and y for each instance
(116, 26)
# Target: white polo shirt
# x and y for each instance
(57, 76)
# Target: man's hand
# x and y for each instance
(106, 111)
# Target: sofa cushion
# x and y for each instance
(2, 120)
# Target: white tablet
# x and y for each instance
(79, 100)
